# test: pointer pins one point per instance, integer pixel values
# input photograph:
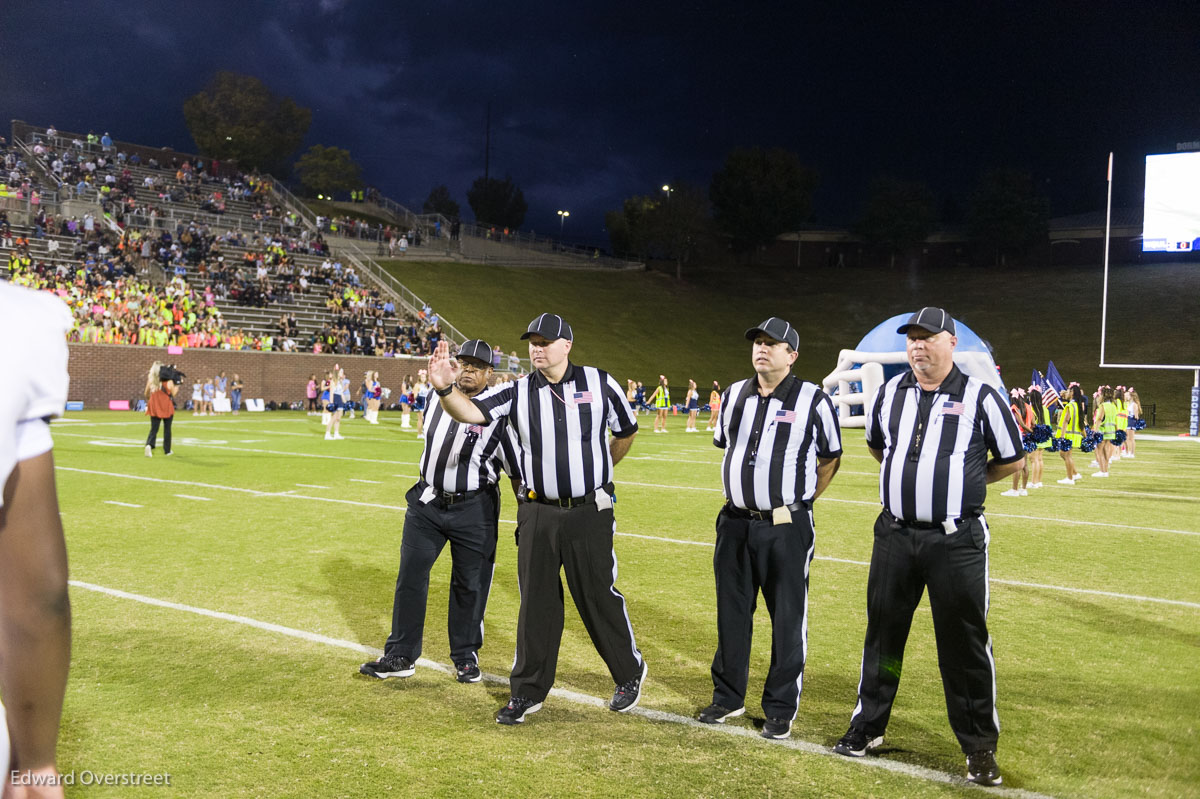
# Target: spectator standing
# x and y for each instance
(236, 393)
(160, 407)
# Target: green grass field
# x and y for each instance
(1095, 617)
(640, 324)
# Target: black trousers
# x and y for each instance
(954, 567)
(470, 527)
(753, 556)
(153, 437)
(579, 542)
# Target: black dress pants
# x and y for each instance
(752, 556)
(470, 527)
(904, 561)
(578, 542)
(153, 437)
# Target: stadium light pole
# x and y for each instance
(562, 217)
(667, 190)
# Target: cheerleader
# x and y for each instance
(337, 404)
(1023, 413)
(692, 402)
(197, 398)
(1070, 428)
(406, 401)
(326, 399)
(661, 399)
(1133, 407)
(1105, 420)
(1041, 416)
(714, 406)
(1122, 421)
(420, 394)
(373, 393)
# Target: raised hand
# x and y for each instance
(443, 370)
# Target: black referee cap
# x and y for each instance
(476, 348)
(778, 329)
(935, 320)
(549, 326)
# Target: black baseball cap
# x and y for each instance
(778, 329)
(476, 349)
(549, 326)
(935, 320)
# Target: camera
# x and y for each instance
(169, 372)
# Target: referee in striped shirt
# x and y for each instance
(932, 429)
(456, 500)
(562, 414)
(782, 447)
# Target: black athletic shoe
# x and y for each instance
(716, 714)
(982, 768)
(467, 672)
(856, 743)
(516, 710)
(388, 666)
(777, 728)
(628, 693)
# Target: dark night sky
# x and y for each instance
(594, 102)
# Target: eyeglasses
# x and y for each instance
(470, 367)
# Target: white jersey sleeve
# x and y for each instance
(34, 323)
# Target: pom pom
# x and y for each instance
(1041, 433)
(1090, 440)
(1028, 443)
(1137, 424)
(1062, 444)
(1120, 439)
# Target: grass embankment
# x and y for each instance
(640, 324)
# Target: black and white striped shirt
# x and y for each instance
(562, 428)
(772, 443)
(937, 469)
(464, 457)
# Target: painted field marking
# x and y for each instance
(358, 480)
(290, 495)
(309, 485)
(198, 499)
(122, 504)
(917, 772)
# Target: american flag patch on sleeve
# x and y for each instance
(953, 408)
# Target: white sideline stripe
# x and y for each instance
(289, 495)
(198, 499)
(122, 504)
(309, 485)
(917, 772)
(357, 480)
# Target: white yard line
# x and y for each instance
(309, 485)
(122, 504)
(290, 495)
(809, 747)
(198, 499)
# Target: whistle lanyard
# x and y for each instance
(924, 406)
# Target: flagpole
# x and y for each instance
(1107, 234)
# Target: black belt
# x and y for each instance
(923, 525)
(760, 515)
(527, 494)
(447, 499)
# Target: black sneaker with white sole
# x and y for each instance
(626, 696)
(466, 671)
(716, 714)
(982, 768)
(388, 666)
(516, 710)
(856, 743)
(777, 728)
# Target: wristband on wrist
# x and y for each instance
(444, 392)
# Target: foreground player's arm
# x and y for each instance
(619, 447)
(826, 469)
(443, 371)
(35, 619)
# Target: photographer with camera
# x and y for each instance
(162, 384)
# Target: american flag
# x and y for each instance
(580, 397)
(786, 417)
(953, 408)
(475, 428)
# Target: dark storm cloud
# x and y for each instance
(594, 102)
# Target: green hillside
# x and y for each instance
(640, 324)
